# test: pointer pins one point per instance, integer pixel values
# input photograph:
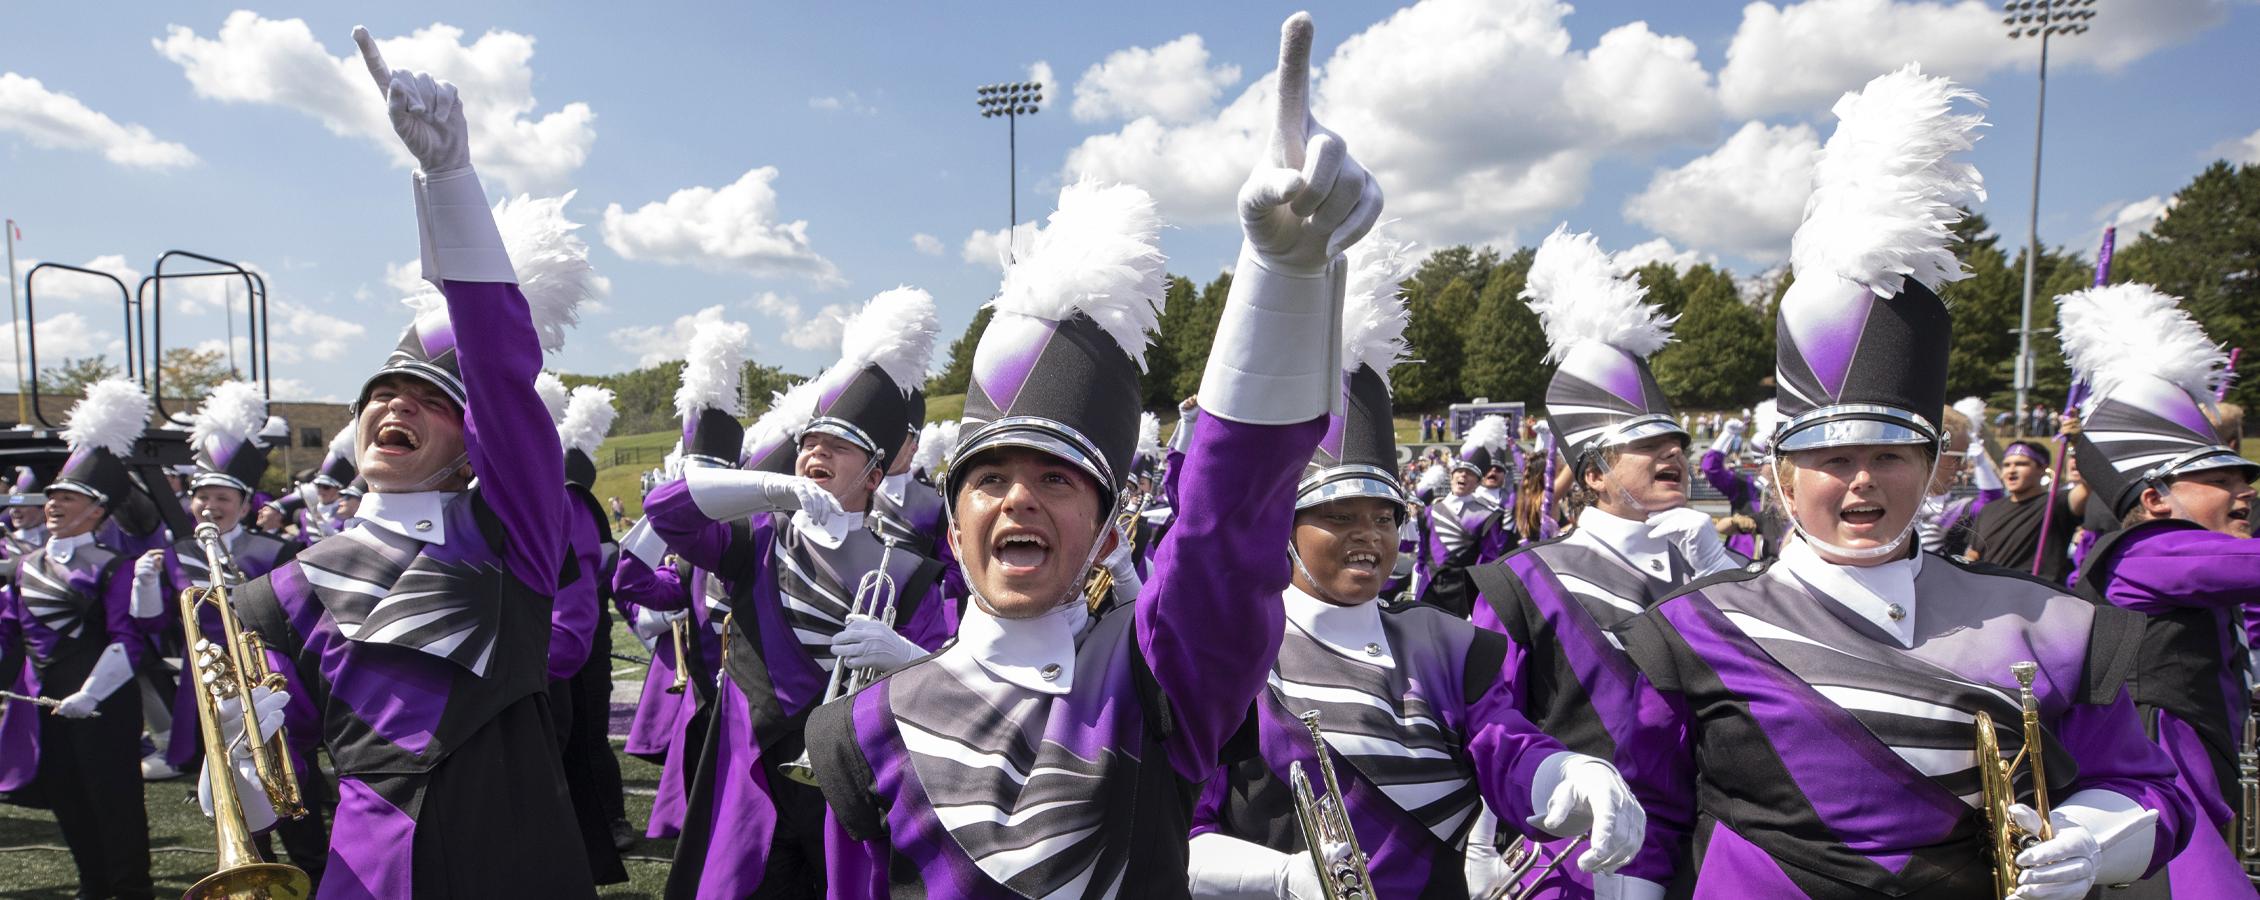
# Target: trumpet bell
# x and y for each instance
(253, 881)
(799, 770)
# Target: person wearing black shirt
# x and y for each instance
(2007, 532)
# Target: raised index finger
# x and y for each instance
(1291, 127)
(374, 58)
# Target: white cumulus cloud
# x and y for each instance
(801, 330)
(278, 62)
(655, 344)
(926, 244)
(1658, 250)
(1478, 116)
(1041, 73)
(732, 228)
(59, 121)
(2243, 151)
(1799, 57)
(1745, 198)
(988, 248)
(1172, 82)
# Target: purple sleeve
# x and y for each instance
(2114, 755)
(934, 622)
(2158, 570)
(1496, 541)
(522, 469)
(687, 531)
(1209, 620)
(1506, 749)
(1210, 803)
(573, 614)
(117, 611)
(1725, 480)
(657, 589)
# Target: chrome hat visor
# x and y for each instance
(1853, 425)
(1042, 435)
(1347, 483)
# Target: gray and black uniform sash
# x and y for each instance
(915, 523)
(256, 553)
(57, 595)
(2181, 670)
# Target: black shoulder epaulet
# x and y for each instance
(843, 774)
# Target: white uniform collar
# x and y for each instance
(1037, 654)
(418, 515)
(1458, 503)
(832, 533)
(1636, 540)
(1870, 592)
(61, 549)
(1497, 495)
(895, 487)
(1352, 631)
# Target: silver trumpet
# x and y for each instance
(1326, 823)
(2248, 788)
(874, 597)
(1524, 873)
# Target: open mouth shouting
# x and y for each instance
(1862, 515)
(819, 473)
(1021, 551)
(1671, 475)
(395, 439)
(1365, 562)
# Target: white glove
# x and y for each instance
(1581, 794)
(257, 812)
(426, 114)
(1124, 569)
(1728, 438)
(2060, 868)
(645, 544)
(652, 624)
(111, 671)
(1227, 868)
(1696, 535)
(1276, 355)
(148, 595)
(1985, 477)
(725, 495)
(866, 643)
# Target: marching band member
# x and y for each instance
(2008, 532)
(1466, 528)
(1634, 541)
(1827, 699)
(908, 512)
(2183, 557)
(1746, 494)
(71, 614)
(1944, 522)
(422, 632)
(1415, 705)
(231, 457)
(1047, 751)
(795, 551)
(581, 698)
(312, 509)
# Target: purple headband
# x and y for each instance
(2028, 449)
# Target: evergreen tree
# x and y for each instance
(1984, 309)
(2207, 252)
(1721, 350)
(1505, 348)
(1162, 364)
(1440, 319)
(1188, 349)
(958, 372)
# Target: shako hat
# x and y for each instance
(2152, 374)
(1602, 394)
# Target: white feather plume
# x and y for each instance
(1489, 432)
(946, 434)
(343, 444)
(1373, 311)
(554, 395)
(1764, 421)
(894, 331)
(1579, 298)
(790, 411)
(1434, 479)
(111, 416)
(1149, 434)
(1971, 408)
(2127, 330)
(587, 419)
(552, 265)
(714, 370)
(1884, 192)
(235, 411)
(1098, 254)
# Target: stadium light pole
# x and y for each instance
(1013, 100)
(2039, 19)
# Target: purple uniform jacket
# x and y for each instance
(1834, 763)
(58, 618)
(2192, 586)
(668, 726)
(1477, 534)
(1560, 603)
(448, 774)
(944, 779)
(787, 597)
(1436, 736)
(573, 615)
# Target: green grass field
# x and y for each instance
(34, 863)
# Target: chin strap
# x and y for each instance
(1879, 551)
(1315, 590)
(432, 481)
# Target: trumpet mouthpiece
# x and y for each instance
(2024, 672)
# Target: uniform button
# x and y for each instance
(1050, 672)
(1373, 649)
(1895, 611)
(423, 525)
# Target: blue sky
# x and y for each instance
(1487, 121)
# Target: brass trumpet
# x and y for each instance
(1997, 782)
(874, 597)
(2248, 786)
(1326, 822)
(234, 673)
(1098, 585)
(681, 630)
(1521, 857)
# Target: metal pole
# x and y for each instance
(1012, 176)
(2032, 235)
(15, 325)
